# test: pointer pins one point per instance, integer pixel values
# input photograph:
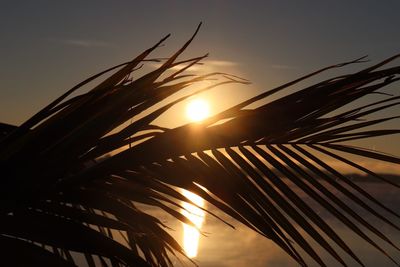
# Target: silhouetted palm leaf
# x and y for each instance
(72, 175)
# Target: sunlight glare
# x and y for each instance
(197, 110)
(191, 235)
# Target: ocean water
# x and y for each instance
(226, 247)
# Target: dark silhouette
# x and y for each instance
(73, 173)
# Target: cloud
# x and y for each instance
(221, 63)
(86, 43)
(205, 65)
(281, 67)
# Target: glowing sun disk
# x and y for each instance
(197, 110)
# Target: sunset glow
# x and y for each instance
(191, 235)
(197, 110)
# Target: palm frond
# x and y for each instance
(74, 173)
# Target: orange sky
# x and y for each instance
(47, 47)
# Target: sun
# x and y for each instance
(197, 110)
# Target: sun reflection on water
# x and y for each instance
(191, 235)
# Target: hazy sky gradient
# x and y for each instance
(48, 46)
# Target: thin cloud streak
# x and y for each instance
(221, 63)
(282, 67)
(204, 65)
(86, 43)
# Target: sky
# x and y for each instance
(49, 46)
